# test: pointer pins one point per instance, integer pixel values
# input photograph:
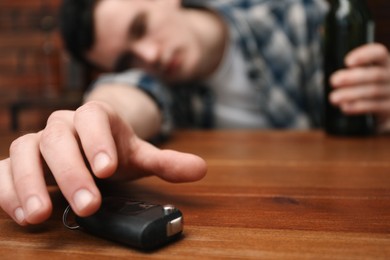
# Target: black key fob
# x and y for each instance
(137, 224)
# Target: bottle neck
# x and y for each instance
(345, 8)
(350, 3)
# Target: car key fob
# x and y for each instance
(137, 224)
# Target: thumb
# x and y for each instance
(368, 54)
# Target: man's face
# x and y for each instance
(158, 36)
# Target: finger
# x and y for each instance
(169, 165)
(366, 107)
(367, 55)
(363, 92)
(28, 178)
(60, 149)
(9, 200)
(93, 126)
(359, 76)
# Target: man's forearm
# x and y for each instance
(133, 105)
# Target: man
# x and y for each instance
(218, 64)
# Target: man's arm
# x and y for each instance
(99, 134)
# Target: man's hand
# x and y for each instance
(364, 86)
(92, 135)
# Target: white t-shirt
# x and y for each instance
(236, 101)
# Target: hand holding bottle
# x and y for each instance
(363, 87)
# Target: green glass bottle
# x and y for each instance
(349, 24)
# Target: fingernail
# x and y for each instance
(82, 198)
(101, 161)
(19, 215)
(33, 204)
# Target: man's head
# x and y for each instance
(159, 36)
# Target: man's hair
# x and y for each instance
(77, 28)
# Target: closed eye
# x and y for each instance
(138, 27)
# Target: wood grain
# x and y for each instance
(270, 194)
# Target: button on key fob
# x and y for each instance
(137, 224)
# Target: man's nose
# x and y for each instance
(147, 51)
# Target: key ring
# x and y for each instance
(65, 219)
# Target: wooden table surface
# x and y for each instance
(300, 195)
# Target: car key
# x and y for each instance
(134, 223)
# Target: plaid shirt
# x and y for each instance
(280, 41)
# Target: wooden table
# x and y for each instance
(300, 195)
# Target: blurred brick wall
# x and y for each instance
(32, 59)
(30, 49)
